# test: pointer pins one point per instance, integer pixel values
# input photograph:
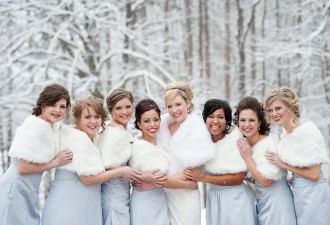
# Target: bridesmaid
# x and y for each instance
(301, 151)
(273, 195)
(229, 200)
(75, 194)
(34, 150)
(115, 143)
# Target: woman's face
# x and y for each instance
(248, 123)
(278, 113)
(54, 113)
(216, 123)
(89, 122)
(178, 109)
(149, 125)
(122, 112)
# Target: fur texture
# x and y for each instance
(190, 146)
(86, 156)
(228, 159)
(303, 147)
(115, 145)
(147, 156)
(267, 169)
(35, 141)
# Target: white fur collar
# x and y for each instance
(303, 147)
(147, 156)
(86, 156)
(228, 159)
(35, 141)
(190, 146)
(267, 169)
(115, 145)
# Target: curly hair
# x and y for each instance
(253, 104)
(212, 105)
(179, 88)
(93, 102)
(288, 97)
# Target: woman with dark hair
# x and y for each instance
(273, 195)
(34, 150)
(301, 151)
(75, 194)
(149, 206)
(229, 200)
(115, 143)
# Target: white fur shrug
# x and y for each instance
(115, 145)
(190, 146)
(86, 156)
(228, 159)
(147, 157)
(35, 141)
(264, 167)
(303, 147)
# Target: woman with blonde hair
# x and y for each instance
(185, 137)
(301, 151)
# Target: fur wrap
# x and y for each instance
(147, 156)
(303, 147)
(190, 146)
(267, 169)
(35, 141)
(86, 156)
(227, 160)
(115, 146)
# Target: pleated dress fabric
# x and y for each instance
(70, 202)
(275, 204)
(19, 197)
(312, 200)
(149, 208)
(232, 205)
(115, 202)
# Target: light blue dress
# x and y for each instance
(35, 141)
(70, 202)
(149, 207)
(229, 204)
(19, 197)
(232, 205)
(274, 203)
(304, 147)
(115, 145)
(312, 200)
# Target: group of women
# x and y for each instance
(105, 176)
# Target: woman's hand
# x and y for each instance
(273, 157)
(154, 177)
(194, 174)
(244, 148)
(64, 157)
(130, 174)
(144, 186)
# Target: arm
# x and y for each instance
(245, 151)
(223, 180)
(125, 172)
(25, 167)
(311, 173)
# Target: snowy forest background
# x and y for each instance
(224, 48)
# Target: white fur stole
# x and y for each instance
(147, 156)
(267, 169)
(115, 145)
(303, 147)
(35, 141)
(228, 159)
(86, 156)
(190, 146)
